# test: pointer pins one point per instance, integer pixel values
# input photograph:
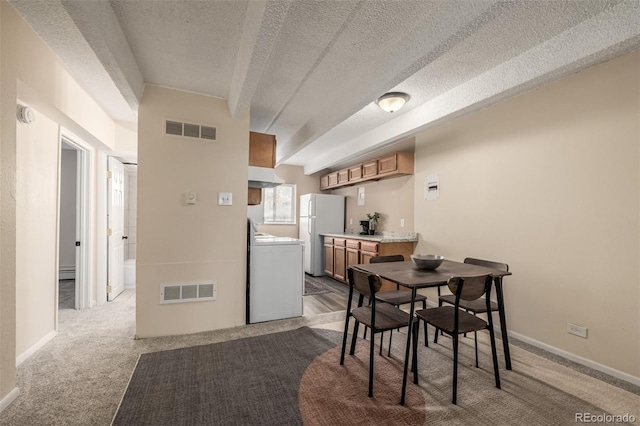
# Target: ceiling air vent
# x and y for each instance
(187, 292)
(196, 131)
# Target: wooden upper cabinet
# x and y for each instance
(396, 164)
(355, 173)
(324, 182)
(262, 150)
(343, 176)
(399, 163)
(255, 196)
(333, 179)
(370, 169)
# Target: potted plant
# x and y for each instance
(373, 221)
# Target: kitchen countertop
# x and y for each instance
(384, 237)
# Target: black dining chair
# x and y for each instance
(474, 306)
(379, 317)
(454, 321)
(396, 297)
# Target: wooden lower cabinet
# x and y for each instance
(328, 257)
(341, 253)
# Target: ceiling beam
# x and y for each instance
(101, 29)
(262, 24)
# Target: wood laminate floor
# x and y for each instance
(334, 301)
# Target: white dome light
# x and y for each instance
(392, 101)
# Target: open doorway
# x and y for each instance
(75, 224)
(68, 227)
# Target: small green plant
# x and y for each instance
(373, 218)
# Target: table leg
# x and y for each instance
(409, 336)
(503, 322)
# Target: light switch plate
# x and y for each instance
(191, 197)
(225, 198)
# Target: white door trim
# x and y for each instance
(84, 219)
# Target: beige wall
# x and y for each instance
(180, 243)
(548, 182)
(36, 231)
(305, 184)
(392, 198)
(30, 71)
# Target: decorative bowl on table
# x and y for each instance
(428, 262)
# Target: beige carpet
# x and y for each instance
(80, 376)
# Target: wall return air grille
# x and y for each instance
(197, 131)
(187, 292)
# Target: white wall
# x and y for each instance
(178, 242)
(36, 230)
(549, 183)
(67, 240)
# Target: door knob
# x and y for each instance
(124, 237)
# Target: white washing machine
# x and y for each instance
(275, 273)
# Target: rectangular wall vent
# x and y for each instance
(187, 292)
(189, 130)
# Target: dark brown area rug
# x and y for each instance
(314, 285)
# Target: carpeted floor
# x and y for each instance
(80, 376)
(294, 378)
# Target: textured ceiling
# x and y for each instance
(309, 71)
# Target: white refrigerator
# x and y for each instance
(319, 214)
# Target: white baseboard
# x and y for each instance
(7, 400)
(578, 359)
(33, 349)
(67, 272)
(562, 353)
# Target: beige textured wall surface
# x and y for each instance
(177, 242)
(549, 183)
(36, 231)
(305, 184)
(29, 70)
(392, 198)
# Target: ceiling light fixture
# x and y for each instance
(392, 101)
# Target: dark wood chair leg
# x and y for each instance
(475, 340)
(455, 368)
(426, 334)
(344, 337)
(371, 344)
(414, 367)
(354, 338)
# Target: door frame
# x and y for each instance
(84, 218)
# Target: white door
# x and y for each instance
(115, 233)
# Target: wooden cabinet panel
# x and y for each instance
(353, 256)
(355, 244)
(369, 169)
(324, 182)
(333, 179)
(369, 246)
(397, 164)
(262, 150)
(339, 242)
(388, 164)
(328, 240)
(355, 173)
(343, 176)
(255, 196)
(365, 256)
(339, 262)
(328, 259)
